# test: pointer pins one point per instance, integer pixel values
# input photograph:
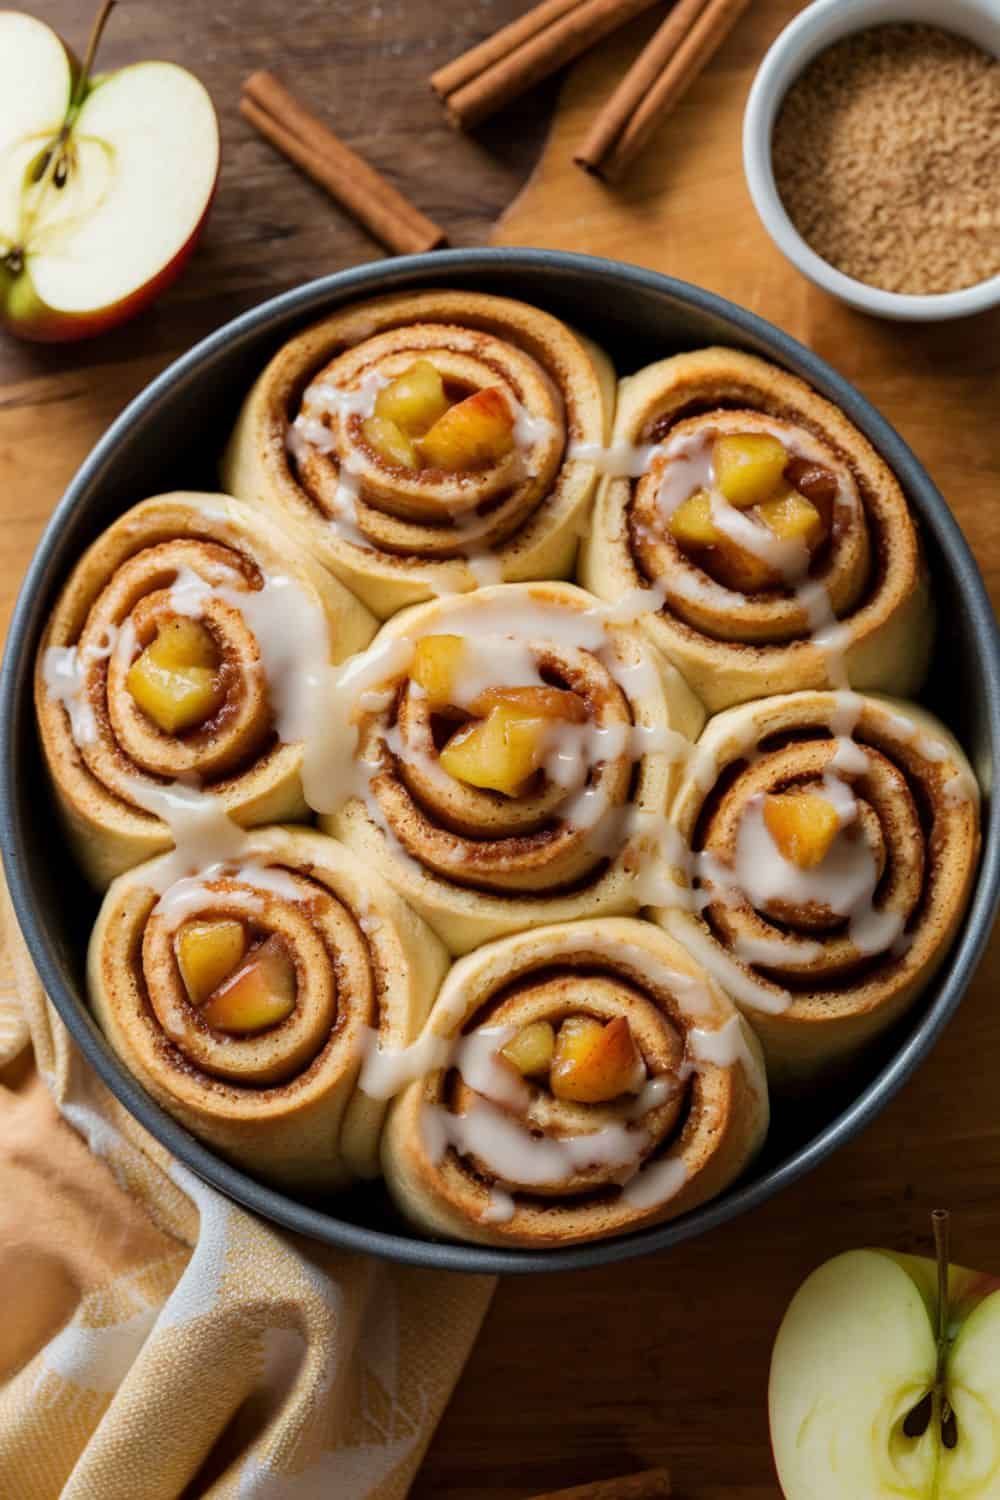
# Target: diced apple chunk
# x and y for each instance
(793, 518)
(436, 663)
(390, 442)
(530, 1051)
(175, 680)
(748, 466)
(730, 564)
(803, 825)
(691, 523)
(473, 434)
(414, 400)
(736, 568)
(499, 753)
(594, 1063)
(207, 953)
(260, 994)
(546, 702)
(184, 642)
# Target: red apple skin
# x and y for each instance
(51, 327)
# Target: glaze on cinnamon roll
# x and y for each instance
(244, 999)
(179, 655)
(776, 545)
(423, 443)
(571, 1083)
(825, 848)
(508, 747)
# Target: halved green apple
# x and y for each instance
(862, 1409)
(104, 183)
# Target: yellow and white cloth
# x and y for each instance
(158, 1341)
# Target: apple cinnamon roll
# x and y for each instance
(825, 849)
(181, 653)
(509, 745)
(775, 545)
(578, 1081)
(424, 443)
(245, 997)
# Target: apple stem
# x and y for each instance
(941, 1224)
(93, 42)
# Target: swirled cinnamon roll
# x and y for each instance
(180, 654)
(775, 545)
(245, 997)
(422, 443)
(508, 745)
(578, 1081)
(826, 846)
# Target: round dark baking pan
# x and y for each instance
(171, 436)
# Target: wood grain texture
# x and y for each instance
(663, 1361)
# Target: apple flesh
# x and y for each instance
(853, 1363)
(260, 994)
(101, 198)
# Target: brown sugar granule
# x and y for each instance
(886, 155)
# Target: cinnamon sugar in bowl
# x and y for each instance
(871, 146)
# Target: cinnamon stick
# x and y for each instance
(508, 65)
(358, 187)
(650, 1484)
(640, 78)
(496, 47)
(660, 76)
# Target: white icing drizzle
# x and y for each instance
(529, 431)
(844, 881)
(332, 772)
(488, 661)
(510, 1149)
(500, 1209)
(386, 1071)
(477, 1058)
(497, 636)
(689, 467)
(653, 1093)
(292, 635)
(336, 402)
(959, 786)
(657, 1183)
(828, 634)
(723, 1047)
(204, 835)
(635, 603)
(64, 674)
(511, 1152)
(790, 558)
(272, 879)
(773, 952)
(485, 567)
(307, 433)
(290, 629)
(620, 460)
(192, 893)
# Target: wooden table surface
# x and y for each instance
(664, 1360)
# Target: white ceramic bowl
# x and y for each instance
(819, 25)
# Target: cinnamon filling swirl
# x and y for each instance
(573, 1082)
(825, 848)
